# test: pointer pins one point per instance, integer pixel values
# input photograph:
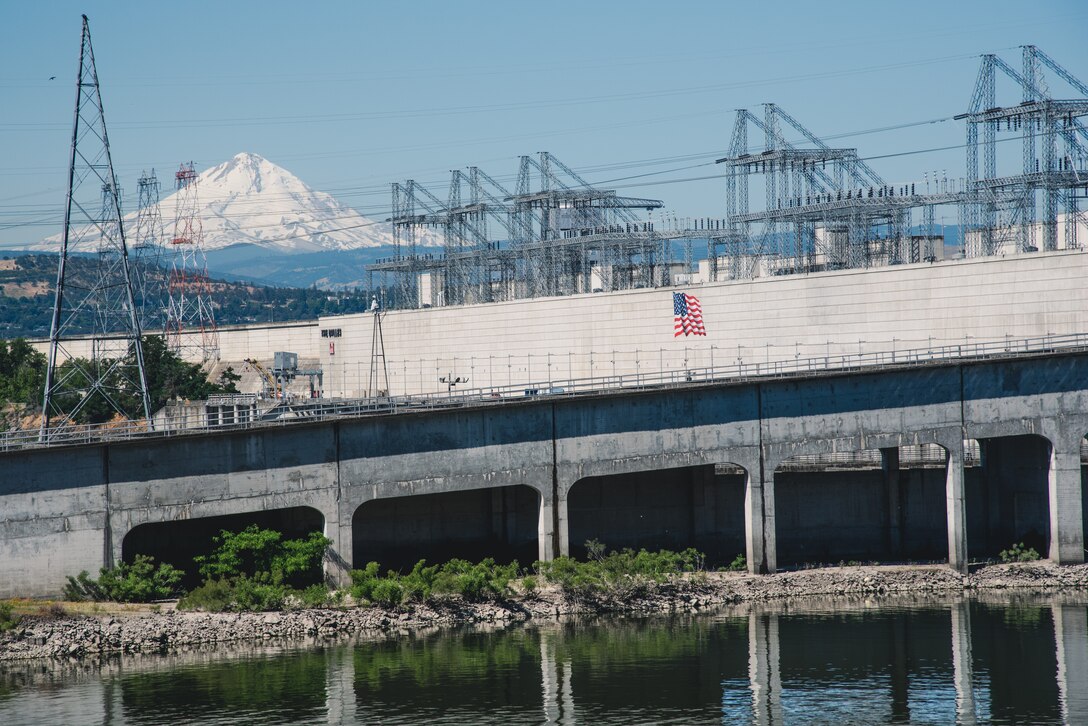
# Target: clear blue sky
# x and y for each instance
(351, 96)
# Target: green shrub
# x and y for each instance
(314, 596)
(140, 581)
(484, 580)
(1019, 553)
(213, 596)
(529, 585)
(595, 549)
(7, 619)
(364, 581)
(254, 551)
(419, 584)
(256, 595)
(387, 592)
(256, 569)
(739, 564)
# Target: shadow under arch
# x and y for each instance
(868, 505)
(177, 542)
(497, 522)
(1008, 501)
(673, 508)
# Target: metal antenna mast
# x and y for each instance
(190, 323)
(103, 306)
(379, 371)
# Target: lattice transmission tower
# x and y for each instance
(147, 273)
(190, 320)
(108, 379)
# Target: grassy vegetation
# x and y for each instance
(257, 569)
(625, 573)
(484, 580)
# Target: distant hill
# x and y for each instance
(28, 281)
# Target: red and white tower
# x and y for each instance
(190, 318)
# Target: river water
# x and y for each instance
(835, 662)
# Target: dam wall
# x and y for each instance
(785, 318)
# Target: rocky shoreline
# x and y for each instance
(167, 631)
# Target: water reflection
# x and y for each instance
(840, 661)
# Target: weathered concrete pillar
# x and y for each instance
(889, 465)
(956, 505)
(562, 521)
(1071, 639)
(547, 537)
(338, 558)
(764, 674)
(1066, 505)
(963, 674)
(759, 523)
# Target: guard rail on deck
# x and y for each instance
(324, 409)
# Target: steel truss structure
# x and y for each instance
(190, 318)
(823, 208)
(556, 235)
(112, 381)
(147, 240)
(1002, 210)
(826, 209)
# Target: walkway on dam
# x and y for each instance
(300, 410)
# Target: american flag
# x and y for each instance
(688, 315)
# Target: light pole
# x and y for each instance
(450, 380)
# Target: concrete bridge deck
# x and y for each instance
(538, 476)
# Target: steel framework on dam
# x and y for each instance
(559, 235)
(826, 209)
(823, 208)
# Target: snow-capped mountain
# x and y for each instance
(249, 200)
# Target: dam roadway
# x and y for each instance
(704, 464)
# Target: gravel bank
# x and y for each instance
(164, 632)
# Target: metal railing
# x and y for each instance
(289, 413)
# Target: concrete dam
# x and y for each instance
(717, 465)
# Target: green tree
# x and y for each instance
(264, 554)
(168, 378)
(22, 372)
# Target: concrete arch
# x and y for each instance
(698, 506)
(178, 541)
(127, 510)
(468, 523)
(570, 470)
(868, 505)
(1009, 498)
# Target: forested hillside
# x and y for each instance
(27, 289)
